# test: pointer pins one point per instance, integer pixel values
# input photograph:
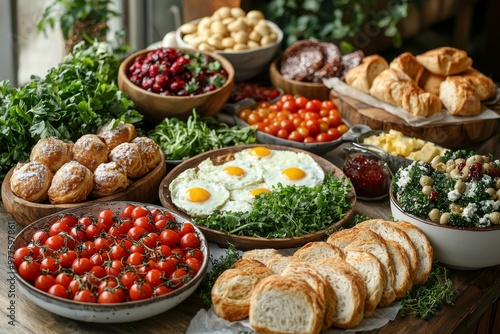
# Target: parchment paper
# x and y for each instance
(440, 118)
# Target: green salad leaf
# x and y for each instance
(181, 139)
(287, 211)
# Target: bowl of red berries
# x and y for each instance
(110, 262)
(172, 81)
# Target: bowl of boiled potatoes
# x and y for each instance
(246, 39)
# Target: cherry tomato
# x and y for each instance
(186, 227)
(309, 140)
(301, 101)
(140, 291)
(49, 265)
(108, 297)
(324, 137)
(44, 282)
(29, 270)
(85, 296)
(39, 237)
(81, 265)
(59, 291)
(58, 227)
(20, 254)
(282, 133)
(70, 219)
(196, 253)
(343, 128)
(114, 268)
(190, 240)
(140, 211)
(136, 232)
(146, 223)
(128, 279)
(296, 136)
(64, 279)
(154, 277)
(106, 219)
(334, 133)
(55, 242)
(77, 232)
(117, 252)
(193, 264)
(167, 266)
(135, 259)
(169, 237)
(161, 290)
(178, 277)
(66, 259)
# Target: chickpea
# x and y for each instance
(437, 159)
(464, 173)
(240, 47)
(495, 217)
(426, 180)
(255, 14)
(262, 30)
(426, 190)
(459, 186)
(237, 12)
(241, 37)
(440, 166)
(188, 28)
(455, 208)
(238, 25)
(206, 47)
(218, 27)
(434, 215)
(227, 20)
(459, 161)
(255, 36)
(486, 166)
(223, 12)
(204, 23)
(215, 42)
(450, 162)
(253, 44)
(492, 193)
(497, 184)
(269, 39)
(445, 217)
(228, 43)
(454, 173)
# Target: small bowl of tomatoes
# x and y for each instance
(110, 262)
(172, 81)
(296, 121)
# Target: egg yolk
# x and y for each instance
(234, 171)
(258, 191)
(260, 152)
(293, 173)
(197, 195)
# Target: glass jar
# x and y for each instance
(368, 171)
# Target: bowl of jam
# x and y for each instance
(368, 171)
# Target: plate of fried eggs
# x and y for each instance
(229, 179)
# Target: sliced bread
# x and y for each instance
(278, 263)
(261, 255)
(318, 250)
(302, 314)
(371, 271)
(402, 281)
(424, 250)
(349, 289)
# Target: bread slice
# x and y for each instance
(349, 289)
(371, 271)
(285, 304)
(361, 77)
(247, 263)
(231, 294)
(403, 281)
(261, 255)
(367, 240)
(388, 231)
(278, 263)
(459, 96)
(424, 250)
(319, 284)
(445, 60)
(318, 250)
(406, 62)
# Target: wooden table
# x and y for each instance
(475, 311)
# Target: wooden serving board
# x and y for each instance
(453, 136)
(25, 212)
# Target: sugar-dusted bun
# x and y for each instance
(52, 152)
(150, 151)
(91, 151)
(109, 178)
(72, 183)
(445, 60)
(122, 133)
(318, 250)
(31, 181)
(285, 304)
(129, 155)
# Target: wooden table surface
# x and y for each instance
(475, 310)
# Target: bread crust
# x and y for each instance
(361, 77)
(318, 250)
(129, 155)
(52, 152)
(407, 63)
(424, 250)
(109, 178)
(445, 60)
(122, 133)
(430, 82)
(91, 151)
(403, 281)
(262, 255)
(459, 96)
(484, 86)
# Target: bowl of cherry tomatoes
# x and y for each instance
(110, 262)
(297, 121)
(172, 81)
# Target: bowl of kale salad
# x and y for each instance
(455, 200)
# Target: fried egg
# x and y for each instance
(248, 194)
(198, 197)
(295, 173)
(233, 174)
(236, 206)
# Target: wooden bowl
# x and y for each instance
(156, 107)
(311, 90)
(25, 212)
(243, 242)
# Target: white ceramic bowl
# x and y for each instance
(106, 313)
(459, 248)
(247, 63)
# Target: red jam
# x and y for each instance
(369, 176)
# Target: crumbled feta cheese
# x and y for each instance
(484, 220)
(470, 189)
(486, 178)
(469, 211)
(453, 195)
(404, 179)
